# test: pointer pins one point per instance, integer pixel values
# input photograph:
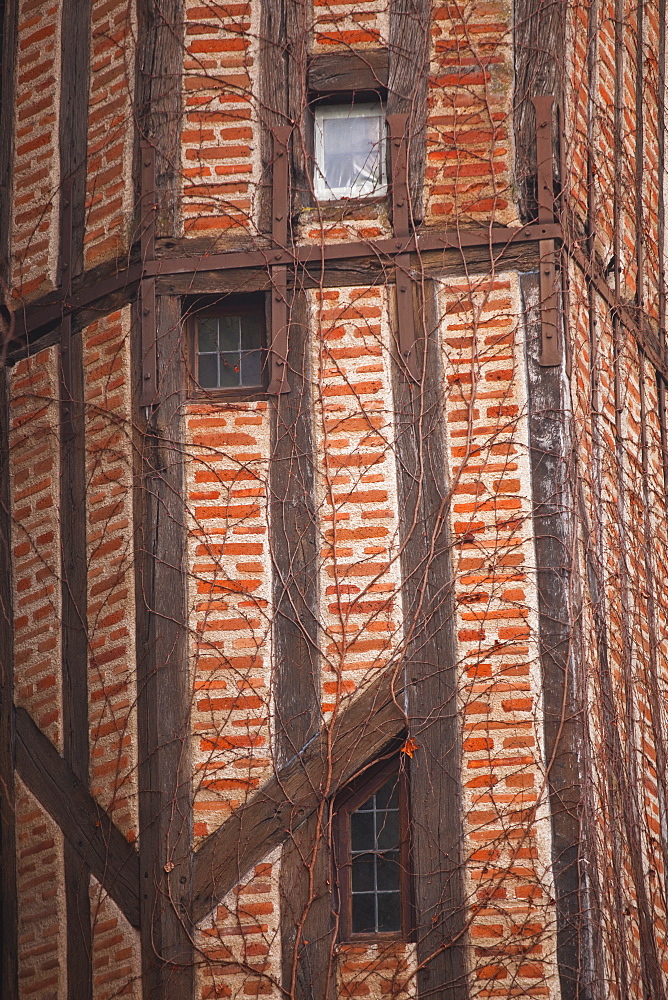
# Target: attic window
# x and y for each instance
(349, 151)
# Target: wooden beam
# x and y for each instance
(408, 81)
(305, 900)
(163, 679)
(539, 44)
(158, 101)
(348, 72)
(73, 141)
(359, 734)
(549, 478)
(9, 42)
(430, 664)
(84, 824)
(8, 901)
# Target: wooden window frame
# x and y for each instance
(347, 803)
(342, 78)
(229, 305)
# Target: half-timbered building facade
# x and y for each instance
(334, 469)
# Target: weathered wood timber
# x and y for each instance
(74, 644)
(430, 665)
(8, 901)
(539, 43)
(549, 478)
(163, 680)
(73, 123)
(73, 136)
(84, 824)
(9, 42)
(294, 550)
(348, 72)
(408, 83)
(360, 733)
(158, 101)
(305, 900)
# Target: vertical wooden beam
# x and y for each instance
(408, 80)
(158, 101)
(398, 126)
(163, 679)
(430, 664)
(539, 36)
(9, 901)
(73, 141)
(304, 890)
(549, 477)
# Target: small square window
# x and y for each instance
(228, 350)
(349, 151)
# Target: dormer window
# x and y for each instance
(349, 151)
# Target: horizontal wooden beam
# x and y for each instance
(384, 249)
(84, 823)
(348, 72)
(358, 736)
(41, 315)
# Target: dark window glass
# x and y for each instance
(375, 862)
(229, 351)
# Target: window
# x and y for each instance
(373, 857)
(228, 348)
(349, 151)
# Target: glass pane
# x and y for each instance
(364, 913)
(363, 873)
(230, 333)
(387, 830)
(229, 370)
(207, 370)
(387, 797)
(388, 872)
(389, 911)
(369, 805)
(251, 368)
(251, 332)
(361, 831)
(207, 335)
(352, 150)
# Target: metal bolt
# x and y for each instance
(147, 376)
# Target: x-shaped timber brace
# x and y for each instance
(373, 719)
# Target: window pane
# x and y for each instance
(207, 371)
(352, 151)
(387, 830)
(364, 913)
(251, 368)
(207, 330)
(230, 333)
(388, 873)
(251, 332)
(389, 911)
(361, 831)
(229, 370)
(363, 873)
(387, 797)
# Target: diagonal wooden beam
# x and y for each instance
(339, 751)
(84, 824)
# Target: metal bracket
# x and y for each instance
(280, 200)
(398, 125)
(147, 300)
(550, 353)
